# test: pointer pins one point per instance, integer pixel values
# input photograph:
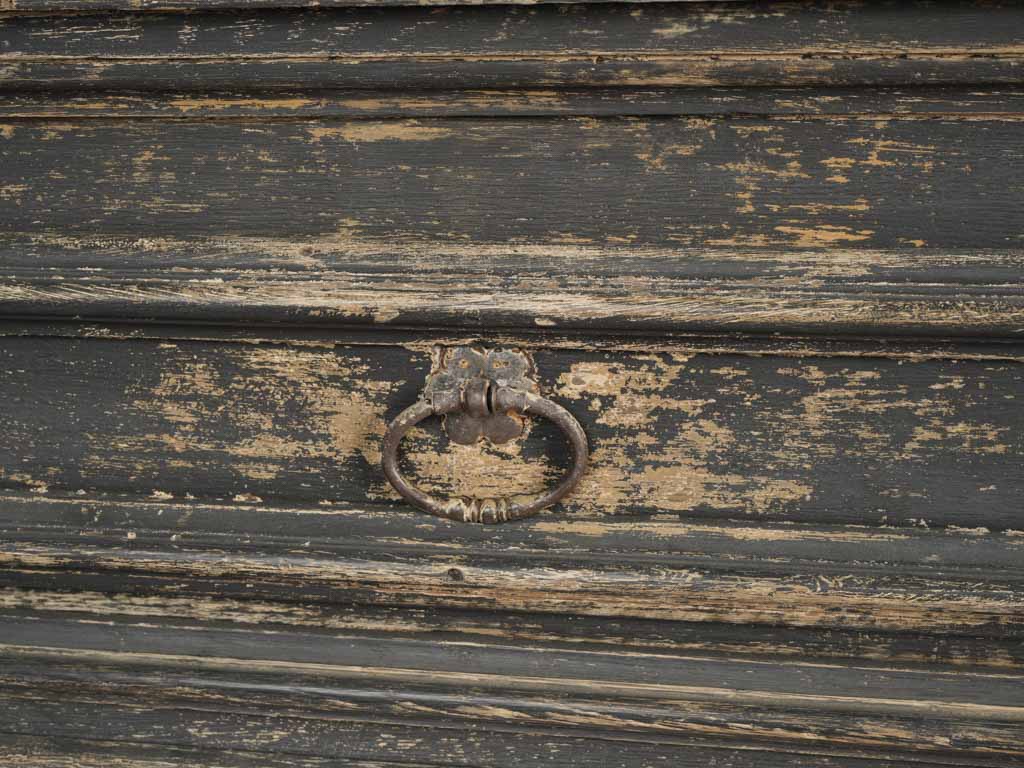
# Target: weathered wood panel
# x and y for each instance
(200, 687)
(828, 439)
(672, 182)
(194, 5)
(411, 745)
(512, 71)
(602, 290)
(860, 176)
(789, 550)
(938, 599)
(375, 661)
(656, 45)
(886, 27)
(879, 103)
(188, 603)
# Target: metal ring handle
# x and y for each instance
(500, 399)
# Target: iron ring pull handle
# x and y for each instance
(478, 398)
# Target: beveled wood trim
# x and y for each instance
(949, 582)
(85, 6)
(931, 293)
(221, 687)
(654, 45)
(974, 102)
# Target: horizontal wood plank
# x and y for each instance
(764, 293)
(102, 598)
(825, 438)
(51, 6)
(204, 687)
(873, 103)
(36, 751)
(953, 26)
(804, 224)
(663, 44)
(244, 736)
(940, 599)
(836, 184)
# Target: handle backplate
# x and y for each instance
(483, 394)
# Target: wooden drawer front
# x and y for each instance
(708, 465)
(899, 439)
(850, 184)
(659, 45)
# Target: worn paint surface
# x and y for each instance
(231, 242)
(970, 101)
(839, 291)
(664, 44)
(752, 224)
(656, 182)
(722, 435)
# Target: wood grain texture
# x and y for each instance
(101, 596)
(682, 44)
(809, 210)
(939, 599)
(975, 295)
(50, 752)
(221, 660)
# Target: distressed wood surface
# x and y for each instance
(314, 739)
(809, 210)
(103, 595)
(50, 6)
(825, 183)
(654, 45)
(769, 254)
(965, 100)
(192, 642)
(943, 598)
(600, 289)
(193, 679)
(820, 438)
(886, 27)
(786, 223)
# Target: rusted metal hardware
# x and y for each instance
(483, 394)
